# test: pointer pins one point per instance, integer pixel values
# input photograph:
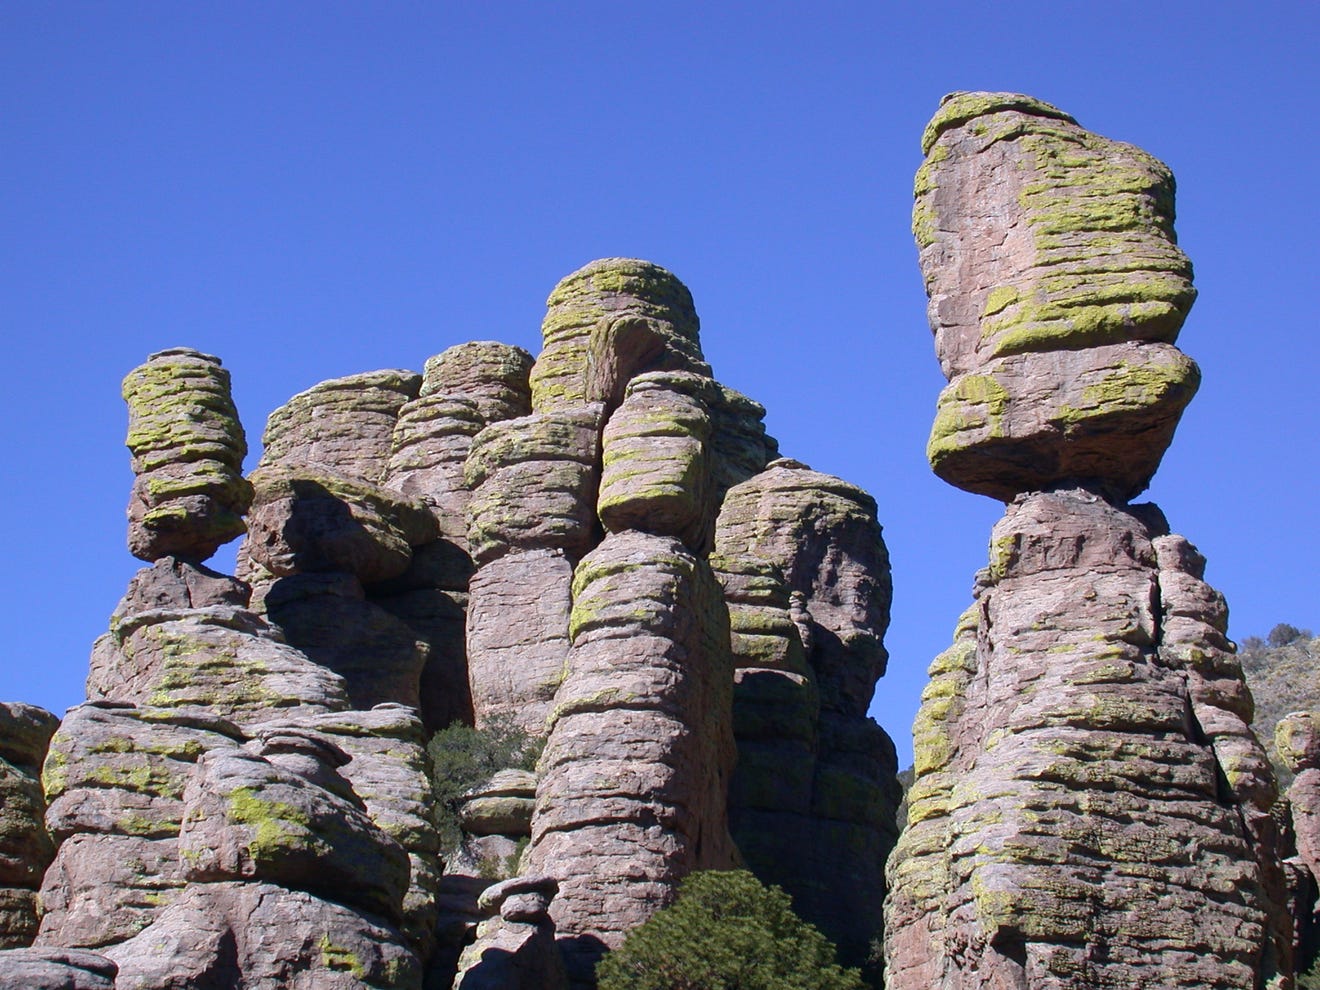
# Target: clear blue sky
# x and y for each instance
(314, 189)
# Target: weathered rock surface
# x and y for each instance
(656, 467)
(249, 818)
(517, 637)
(260, 935)
(217, 659)
(1056, 292)
(812, 808)
(115, 778)
(1090, 808)
(822, 535)
(533, 483)
(327, 617)
(343, 426)
(1297, 739)
(56, 969)
(189, 495)
(315, 521)
(515, 948)
(495, 376)
(607, 322)
(510, 544)
(1070, 824)
(25, 845)
(388, 771)
(636, 767)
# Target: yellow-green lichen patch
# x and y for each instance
(277, 826)
(959, 108)
(341, 958)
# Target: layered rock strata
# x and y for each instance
(1090, 807)
(25, 846)
(806, 575)
(524, 547)
(1056, 291)
(1297, 739)
(188, 495)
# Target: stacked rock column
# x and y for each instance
(1090, 807)
(806, 574)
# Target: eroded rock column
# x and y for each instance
(1090, 807)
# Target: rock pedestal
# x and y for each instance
(1090, 808)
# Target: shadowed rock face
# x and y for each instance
(1090, 808)
(25, 846)
(1297, 739)
(1056, 292)
(806, 575)
(189, 495)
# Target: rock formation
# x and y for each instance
(1090, 806)
(1297, 738)
(25, 846)
(189, 495)
(245, 798)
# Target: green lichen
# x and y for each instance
(277, 826)
(959, 108)
(338, 957)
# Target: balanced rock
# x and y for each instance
(189, 495)
(1056, 292)
(515, 947)
(344, 425)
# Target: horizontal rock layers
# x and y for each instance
(189, 495)
(1056, 293)
(1090, 807)
(535, 550)
(806, 575)
(25, 846)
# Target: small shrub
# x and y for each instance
(1283, 634)
(462, 757)
(726, 931)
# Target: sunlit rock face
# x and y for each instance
(599, 551)
(1090, 808)
(188, 495)
(1057, 291)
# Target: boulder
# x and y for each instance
(606, 322)
(189, 495)
(1056, 292)
(343, 425)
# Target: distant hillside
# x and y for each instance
(1283, 671)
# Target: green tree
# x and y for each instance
(463, 757)
(726, 931)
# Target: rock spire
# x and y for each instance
(1090, 809)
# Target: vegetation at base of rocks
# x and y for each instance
(726, 931)
(1310, 980)
(1283, 672)
(463, 757)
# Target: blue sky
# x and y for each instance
(310, 190)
